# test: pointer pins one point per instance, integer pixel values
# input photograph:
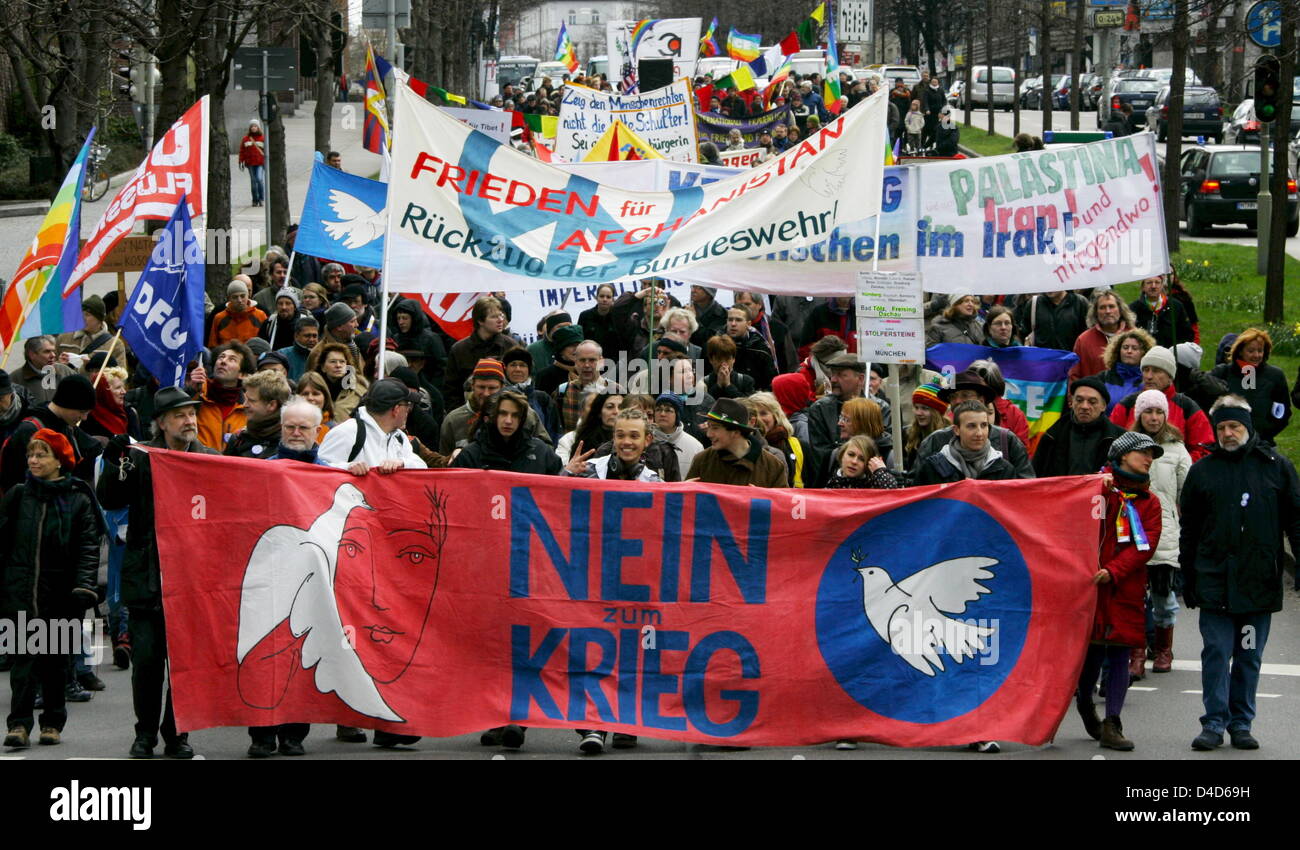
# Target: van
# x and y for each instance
(1004, 87)
(598, 65)
(910, 74)
(805, 63)
(715, 67)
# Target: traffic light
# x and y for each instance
(138, 81)
(1268, 86)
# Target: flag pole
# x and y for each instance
(26, 314)
(383, 272)
(108, 353)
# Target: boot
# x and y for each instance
(1088, 711)
(1137, 664)
(1164, 660)
(1112, 735)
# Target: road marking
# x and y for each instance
(1191, 692)
(1136, 688)
(1266, 669)
(1261, 696)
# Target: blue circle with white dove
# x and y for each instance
(922, 612)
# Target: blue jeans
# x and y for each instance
(1165, 609)
(1229, 695)
(255, 177)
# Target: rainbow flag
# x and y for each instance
(811, 26)
(564, 51)
(639, 32)
(374, 128)
(34, 303)
(774, 84)
(743, 47)
(831, 85)
(708, 45)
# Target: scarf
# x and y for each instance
(1128, 523)
(283, 452)
(1242, 366)
(263, 430)
(1128, 371)
(59, 496)
(108, 411)
(970, 463)
(224, 397)
(335, 386)
(1158, 305)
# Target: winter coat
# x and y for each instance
(757, 467)
(686, 445)
(252, 150)
(420, 337)
(141, 580)
(1168, 474)
(13, 454)
(599, 467)
(942, 329)
(740, 386)
(521, 453)
(297, 357)
(1201, 387)
(18, 410)
(466, 354)
(1121, 382)
(1120, 619)
(1270, 400)
(279, 332)
(228, 325)
(754, 359)
(1013, 451)
(938, 468)
(946, 140)
(1057, 453)
(1053, 325)
(455, 428)
(602, 329)
(1184, 415)
(825, 321)
(1170, 326)
(1235, 508)
(1011, 417)
(214, 428)
(1090, 346)
(50, 533)
(877, 479)
(32, 382)
(262, 444)
(376, 448)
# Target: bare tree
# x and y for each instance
(1274, 281)
(1174, 145)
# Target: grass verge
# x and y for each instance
(983, 142)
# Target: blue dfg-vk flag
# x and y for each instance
(343, 218)
(163, 321)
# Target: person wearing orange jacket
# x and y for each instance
(221, 412)
(240, 321)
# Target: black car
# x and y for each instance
(1220, 185)
(1138, 93)
(1202, 114)
(1243, 129)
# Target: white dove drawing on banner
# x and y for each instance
(359, 225)
(912, 615)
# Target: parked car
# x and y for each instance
(1004, 87)
(1220, 184)
(1243, 128)
(715, 67)
(1202, 113)
(1137, 92)
(1092, 88)
(1033, 98)
(557, 72)
(910, 73)
(954, 93)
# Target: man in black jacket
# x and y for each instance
(753, 357)
(127, 482)
(1079, 443)
(265, 393)
(1237, 504)
(709, 314)
(1054, 320)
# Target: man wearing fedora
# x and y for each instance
(127, 482)
(736, 455)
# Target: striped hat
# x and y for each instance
(1133, 441)
(928, 395)
(488, 369)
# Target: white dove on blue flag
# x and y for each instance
(343, 218)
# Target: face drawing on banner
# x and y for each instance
(358, 225)
(826, 177)
(354, 588)
(668, 44)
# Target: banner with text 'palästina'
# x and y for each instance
(444, 602)
(1068, 217)
(458, 193)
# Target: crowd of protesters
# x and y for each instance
(765, 391)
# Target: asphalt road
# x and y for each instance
(1161, 717)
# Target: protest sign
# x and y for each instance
(628, 42)
(747, 158)
(458, 194)
(664, 118)
(1062, 218)
(491, 122)
(444, 602)
(716, 127)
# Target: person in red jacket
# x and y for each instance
(1107, 316)
(252, 157)
(1129, 537)
(1158, 369)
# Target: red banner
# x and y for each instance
(446, 601)
(177, 165)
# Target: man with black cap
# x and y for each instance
(127, 482)
(341, 327)
(354, 295)
(95, 335)
(73, 400)
(279, 329)
(560, 368)
(518, 365)
(971, 386)
(544, 349)
(41, 372)
(848, 379)
(1237, 504)
(735, 454)
(240, 321)
(1079, 442)
(13, 405)
(373, 437)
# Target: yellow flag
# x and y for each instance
(619, 143)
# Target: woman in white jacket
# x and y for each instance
(1151, 417)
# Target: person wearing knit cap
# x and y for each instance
(1249, 375)
(565, 340)
(545, 349)
(1158, 370)
(53, 529)
(928, 411)
(486, 380)
(1151, 417)
(518, 365)
(95, 335)
(240, 321)
(278, 330)
(1079, 442)
(1237, 504)
(74, 398)
(1131, 532)
(669, 422)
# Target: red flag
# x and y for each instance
(453, 312)
(703, 95)
(790, 44)
(443, 602)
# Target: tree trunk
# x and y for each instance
(321, 37)
(1077, 70)
(969, 58)
(212, 75)
(1045, 56)
(174, 41)
(1017, 49)
(1273, 281)
(1174, 147)
(1237, 73)
(988, 59)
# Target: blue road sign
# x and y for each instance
(1264, 23)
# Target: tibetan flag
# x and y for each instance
(810, 28)
(48, 263)
(831, 85)
(619, 144)
(742, 47)
(708, 44)
(564, 51)
(1037, 378)
(740, 79)
(774, 85)
(448, 97)
(374, 129)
